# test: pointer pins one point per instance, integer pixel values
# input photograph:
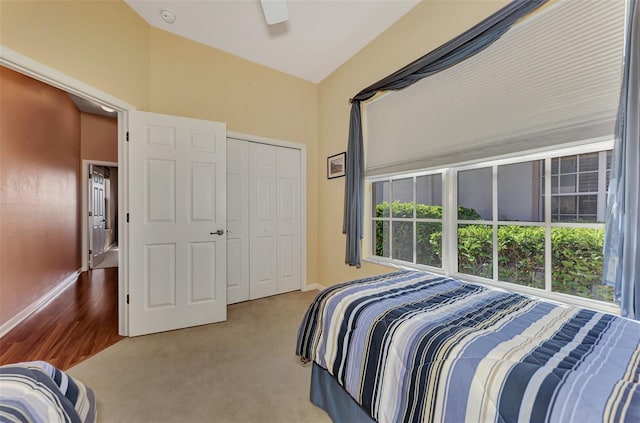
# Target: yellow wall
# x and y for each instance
(424, 28)
(190, 79)
(102, 43)
(108, 46)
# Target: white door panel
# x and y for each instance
(202, 272)
(288, 220)
(262, 220)
(161, 275)
(237, 221)
(177, 203)
(160, 191)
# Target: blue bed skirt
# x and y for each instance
(327, 394)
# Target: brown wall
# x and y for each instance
(39, 190)
(98, 138)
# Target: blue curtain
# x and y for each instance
(622, 233)
(454, 51)
(352, 223)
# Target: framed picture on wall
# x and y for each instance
(336, 165)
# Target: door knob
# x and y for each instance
(218, 232)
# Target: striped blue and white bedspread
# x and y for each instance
(39, 392)
(416, 347)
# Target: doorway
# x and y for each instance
(100, 200)
(43, 73)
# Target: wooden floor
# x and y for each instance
(80, 322)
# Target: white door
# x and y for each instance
(262, 220)
(288, 212)
(177, 219)
(96, 215)
(237, 221)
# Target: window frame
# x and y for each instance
(450, 219)
(414, 220)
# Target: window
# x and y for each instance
(504, 228)
(407, 219)
(540, 83)
(579, 187)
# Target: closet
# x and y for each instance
(263, 220)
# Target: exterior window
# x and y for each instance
(579, 186)
(505, 228)
(407, 219)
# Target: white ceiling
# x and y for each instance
(319, 36)
(89, 106)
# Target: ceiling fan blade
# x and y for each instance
(275, 11)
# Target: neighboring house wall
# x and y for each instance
(99, 138)
(474, 191)
(40, 190)
(425, 27)
(519, 193)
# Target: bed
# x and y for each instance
(36, 391)
(412, 346)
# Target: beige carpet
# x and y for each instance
(242, 370)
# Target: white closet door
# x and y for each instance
(262, 220)
(288, 212)
(237, 221)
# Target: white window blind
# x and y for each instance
(553, 78)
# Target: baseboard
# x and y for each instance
(38, 304)
(313, 287)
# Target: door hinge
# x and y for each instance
(127, 298)
(90, 252)
(90, 214)
(127, 217)
(127, 135)
(90, 175)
